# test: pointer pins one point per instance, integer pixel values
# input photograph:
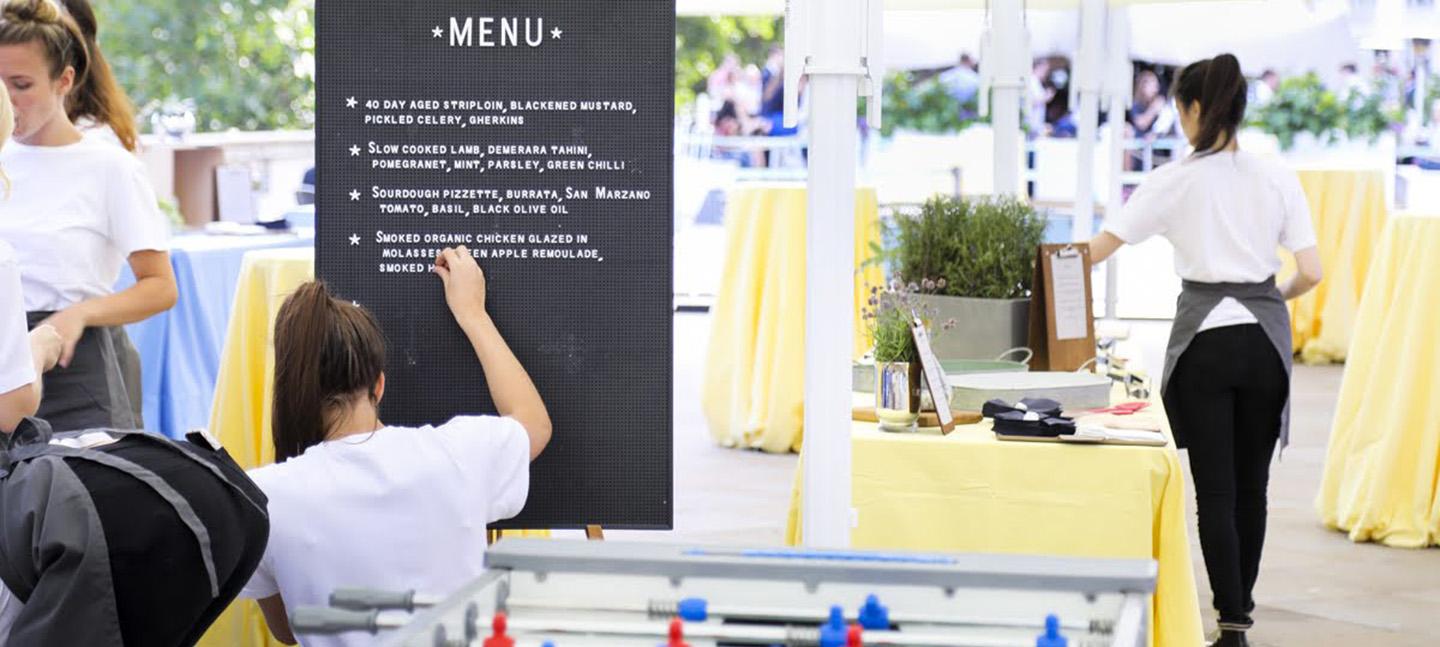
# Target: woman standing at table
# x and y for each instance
(1226, 384)
(78, 209)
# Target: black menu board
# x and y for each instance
(538, 133)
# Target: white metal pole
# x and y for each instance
(1008, 84)
(834, 71)
(1087, 78)
(1118, 87)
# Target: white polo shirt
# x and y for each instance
(1227, 215)
(74, 215)
(400, 509)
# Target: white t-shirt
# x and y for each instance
(17, 367)
(1227, 214)
(401, 509)
(74, 215)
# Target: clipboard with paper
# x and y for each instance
(1062, 319)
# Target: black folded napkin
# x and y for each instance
(1046, 407)
(1020, 423)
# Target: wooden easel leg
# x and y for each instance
(594, 533)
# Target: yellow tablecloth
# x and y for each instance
(754, 372)
(1382, 471)
(240, 418)
(968, 492)
(1349, 212)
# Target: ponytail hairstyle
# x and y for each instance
(68, 38)
(328, 353)
(1220, 88)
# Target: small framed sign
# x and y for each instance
(934, 375)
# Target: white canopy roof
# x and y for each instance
(1286, 35)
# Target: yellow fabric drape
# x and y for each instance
(240, 417)
(754, 371)
(1348, 210)
(1383, 463)
(970, 493)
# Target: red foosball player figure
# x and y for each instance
(499, 639)
(677, 634)
(852, 636)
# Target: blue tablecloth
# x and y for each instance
(180, 348)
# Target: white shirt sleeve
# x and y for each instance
(136, 222)
(262, 584)
(17, 367)
(497, 452)
(1298, 232)
(1144, 214)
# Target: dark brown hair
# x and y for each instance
(327, 353)
(1219, 87)
(68, 39)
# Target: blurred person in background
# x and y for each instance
(963, 84)
(1265, 89)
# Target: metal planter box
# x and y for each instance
(984, 328)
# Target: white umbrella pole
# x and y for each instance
(1118, 89)
(1012, 69)
(834, 72)
(1087, 80)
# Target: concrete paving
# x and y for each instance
(1316, 587)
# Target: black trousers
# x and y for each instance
(1231, 388)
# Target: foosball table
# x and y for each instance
(574, 593)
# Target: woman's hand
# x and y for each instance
(46, 345)
(464, 283)
(69, 324)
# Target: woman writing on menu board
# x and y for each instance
(393, 507)
(80, 208)
(1226, 384)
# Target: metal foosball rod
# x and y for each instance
(695, 610)
(759, 635)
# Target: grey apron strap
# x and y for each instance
(1196, 302)
(159, 485)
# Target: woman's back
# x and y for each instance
(1226, 213)
(399, 509)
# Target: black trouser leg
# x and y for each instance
(1230, 388)
(1259, 404)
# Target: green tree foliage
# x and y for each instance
(248, 64)
(923, 104)
(1304, 105)
(701, 43)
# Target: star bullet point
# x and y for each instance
(354, 194)
(354, 239)
(350, 103)
(437, 32)
(555, 33)
(354, 151)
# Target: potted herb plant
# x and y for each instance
(889, 315)
(984, 250)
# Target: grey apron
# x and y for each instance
(101, 387)
(1195, 303)
(53, 551)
